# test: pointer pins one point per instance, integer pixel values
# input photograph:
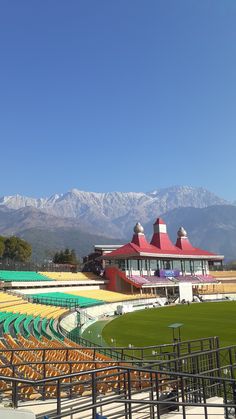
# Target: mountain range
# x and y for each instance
(78, 219)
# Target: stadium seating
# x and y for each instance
(64, 299)
(21, 276)
(21, 324)
(155, 280)
(15, 304)
(160, 280)
(26, 325)
(206, 279)
(106, 296)
(139, 280)
(224, 274)
(150, 280)
(59, 358)
(222, 288)
(69, 276)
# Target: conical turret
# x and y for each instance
(161, 239)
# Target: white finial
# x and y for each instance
(182, 232)
(138, 228)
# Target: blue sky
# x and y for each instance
(117, 95)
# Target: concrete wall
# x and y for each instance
(185, 291)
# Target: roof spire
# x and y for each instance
(138, 229)
(182, 232)
(161, 239)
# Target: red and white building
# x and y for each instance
(143, 265)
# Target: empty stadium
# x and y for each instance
(53, 366)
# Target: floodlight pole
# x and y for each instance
(79, 324)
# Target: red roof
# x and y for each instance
(160, 245)
(163, 243)
(130, 249)
(139, 244)
(140, 241)
(187, 248)
(161, 240)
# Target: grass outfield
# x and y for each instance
(149, 327)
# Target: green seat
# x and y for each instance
(55, 332)
(36, 323)
(63, 299)
(26, 324)
(21, 276)
(17, 323)
(8, 321)
(3, 316)
(44, 329)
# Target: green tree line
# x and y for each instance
(66, 256)
(15, 249)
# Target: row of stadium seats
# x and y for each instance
(24, 325)
(15, 304)
(34, 326)
(64, 299)
(224, 274)
(141, 280)
(151, 280)
(21, 276)
(106, 296)
(8, 300)
(31, 276)
(70, 276)
(82, 298)
(36, 310)
(59, 360)
(222, 288)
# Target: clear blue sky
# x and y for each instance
(117, 95)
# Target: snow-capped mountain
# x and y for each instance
(114, 213)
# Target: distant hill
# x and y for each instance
(212, 228)
(45, 243)
(47, 233)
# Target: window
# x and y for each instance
(153, 265)
(121, 264)
(187, 266)
(197, 265)
(166, 264)
(177, 264)
(134, 264)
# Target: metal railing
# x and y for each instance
(162, 392)
(166, 351)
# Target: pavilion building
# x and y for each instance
(142, 264)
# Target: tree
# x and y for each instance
(17, 249)
(2, 245)
(231, 265)
(56, 258)
(73, 257)
(65, 257)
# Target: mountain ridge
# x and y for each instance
(115, 212)
(79, 219)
